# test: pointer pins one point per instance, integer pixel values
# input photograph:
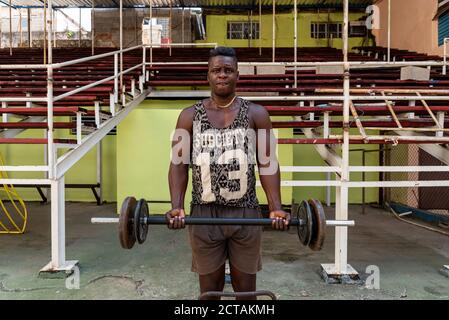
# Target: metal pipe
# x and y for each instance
(389, 31)
(260, 27)
(29, 27)
(162, 220)
(169, 28)
(80, 31)
(274, 31)
(208, 44)
(151, 32)
(341, 211)
(352, 64)
(121, 46)
(55, 26)
(50, 132)
(45, 32)
(20, 27)
(295, 53)
(445, 41)
(116, 72)
(92, 32)
(182, 26)
(10, 29)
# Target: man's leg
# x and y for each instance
(214, 281)
(243, 282)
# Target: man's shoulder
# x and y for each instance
(188, 112)
(256, 109)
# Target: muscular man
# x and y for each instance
(222, 138)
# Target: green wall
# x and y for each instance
(82, 172)
(216, 30)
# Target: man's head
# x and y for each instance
(223, 71)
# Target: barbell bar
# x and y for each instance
(158, 220)
(308, 217)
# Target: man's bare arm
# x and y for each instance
(178, 173)
(267, 162)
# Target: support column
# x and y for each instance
(80, 31)
(58, 262)
(121, 46)
(29, 27)
(100, 169)
(182, 27)
(340, 271)
(260, 27)
(20, 27)
(58, 266)
(151, 33)
(10, 29)
(274, 32)
(92, 29)
(389, 32)
(45, 31)
(55, 26)
(295, 42)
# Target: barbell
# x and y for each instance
(308, 217)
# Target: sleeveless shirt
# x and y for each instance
(222, 160)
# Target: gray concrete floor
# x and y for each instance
(408, 257)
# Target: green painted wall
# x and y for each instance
(83, 172)
(216, 30)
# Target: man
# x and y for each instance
(215, 135)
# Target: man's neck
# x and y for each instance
(222, 101)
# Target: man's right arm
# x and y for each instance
(178, 174)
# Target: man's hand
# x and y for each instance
(175, 218)
(281, 220)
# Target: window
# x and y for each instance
(242, 30)
(357, 29)
(443, 27)
(325, 30)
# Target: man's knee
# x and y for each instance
(214, 281)
(241, 281)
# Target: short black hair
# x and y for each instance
(223, 51)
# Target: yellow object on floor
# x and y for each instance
(13, 221)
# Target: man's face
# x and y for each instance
(222, 75)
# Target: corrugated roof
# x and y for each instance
(184, 3)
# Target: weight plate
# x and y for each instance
(126, 225)
(303, 213)
(319, 225)
(140, 226)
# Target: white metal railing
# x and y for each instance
(446, 40)
(170, 45)
(50, 99)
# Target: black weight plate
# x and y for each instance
(126, 226)
(140, 227)
(305, 230)
(319, 225)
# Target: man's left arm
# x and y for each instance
(269, 172)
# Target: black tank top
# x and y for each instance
(223, 160)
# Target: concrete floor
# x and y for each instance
(408, 257)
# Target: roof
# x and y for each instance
(359, 4)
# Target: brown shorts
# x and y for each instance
(212, 245)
